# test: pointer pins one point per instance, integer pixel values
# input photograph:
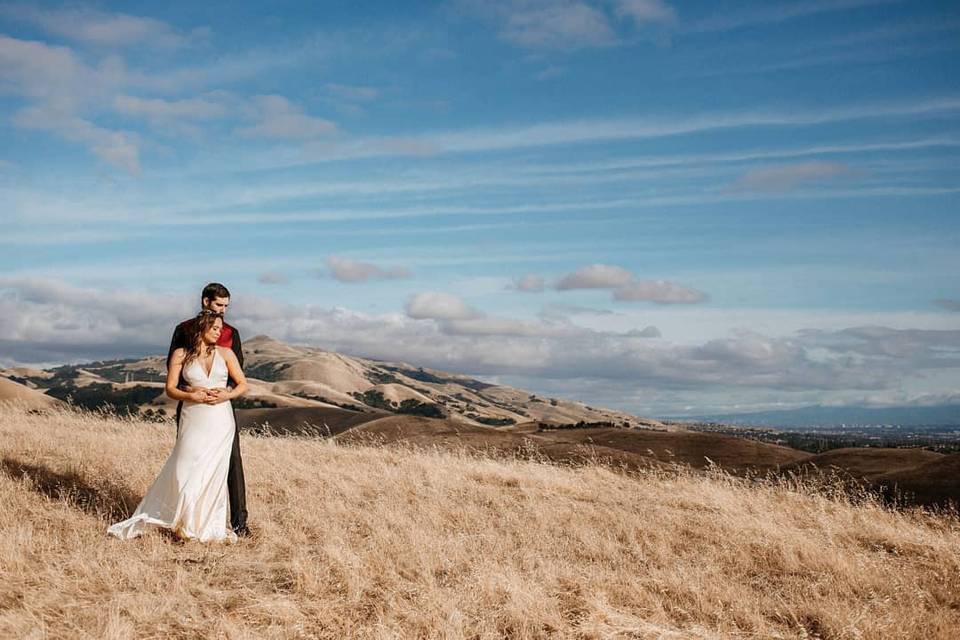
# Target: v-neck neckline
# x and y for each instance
(212, 363)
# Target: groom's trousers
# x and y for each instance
(236, 487)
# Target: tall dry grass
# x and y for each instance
(374, 542)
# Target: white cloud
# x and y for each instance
(275, 117)
(436, 305)
(627, 287)
(774, 13)
(560, 312)
(159, 108)
(555, 24)
(660, 291)
(596, 276)
(353, 271)
(644, 12)
(43, 320)
(569, 24)
(117, 148)
(93, 27)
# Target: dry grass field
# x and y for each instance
(358, 541)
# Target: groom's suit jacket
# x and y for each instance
(229, 337)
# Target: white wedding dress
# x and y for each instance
(190, 494)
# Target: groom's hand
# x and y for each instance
(200, 395)
(218, 395)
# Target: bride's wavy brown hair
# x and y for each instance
(195, 330)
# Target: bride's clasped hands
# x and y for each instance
(189, 496)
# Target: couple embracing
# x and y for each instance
(204, 373)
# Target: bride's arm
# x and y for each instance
(236, 373)
(173, 379)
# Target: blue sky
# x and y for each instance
(658, 206)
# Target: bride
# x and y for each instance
(189, 496)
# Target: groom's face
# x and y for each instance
(216, 304)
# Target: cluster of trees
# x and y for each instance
(375, 398)
(546, 426)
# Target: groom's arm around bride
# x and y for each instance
(216, 298)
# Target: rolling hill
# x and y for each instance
(283, 376)
(298, 391)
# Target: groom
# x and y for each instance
(215, 297)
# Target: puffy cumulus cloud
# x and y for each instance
(626, 287)
(49, 321)
(436, 305)
(354, 271)
(529, 282)
(596, 276)
(789, 176)
(277, 118)
(94, 27)
(43, 320)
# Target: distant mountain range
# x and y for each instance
(827, 416)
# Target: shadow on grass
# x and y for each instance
(99, 498)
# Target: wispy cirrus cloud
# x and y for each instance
(94, 27)
(278, 118)
(775, 13)
(570, 24)
(790, 176)
(118, 148)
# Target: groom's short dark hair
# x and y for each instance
(214, 290)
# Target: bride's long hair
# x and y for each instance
(195, 330)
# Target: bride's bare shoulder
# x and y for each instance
(226, 352)
(178, 354)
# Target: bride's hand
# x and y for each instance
(200, 395)
(218, 395)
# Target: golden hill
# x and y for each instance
(355, 541)
(11, 390)
(286, 376)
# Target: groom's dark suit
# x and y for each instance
(229, 337)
